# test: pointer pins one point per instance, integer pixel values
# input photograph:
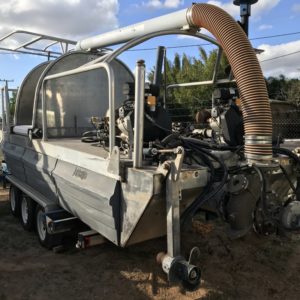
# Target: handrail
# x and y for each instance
(195, 83)
(136, 41)
(111, 97)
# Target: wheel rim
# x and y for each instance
(12, 200)
(24, 210)
(41, 225)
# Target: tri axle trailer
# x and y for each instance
(91, 141)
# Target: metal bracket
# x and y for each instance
(177, 165)
(177, 268)
(130, 136)
(173, 197)
(114, 162)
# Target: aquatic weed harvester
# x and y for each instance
(91, 141)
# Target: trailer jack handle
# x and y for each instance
(178, 269)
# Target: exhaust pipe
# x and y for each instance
(241, 56)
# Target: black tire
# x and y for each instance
(14, 199)
(27, 212)
(46, 239)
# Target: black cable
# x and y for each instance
(157, 125)
(274, 36)
(296, 159)
(90, 137)
(280, 56)
(209, 44)
(209, 145)
(287, 152)
(224, 169)
(169, 138)
(206, 161)
(288, 179)
(206, 195)
(263, 187)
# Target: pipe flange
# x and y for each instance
(238, 183)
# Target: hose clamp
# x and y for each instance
(258, 140)
(189, 16)
(258, 157)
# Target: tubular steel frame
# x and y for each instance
(28, 46)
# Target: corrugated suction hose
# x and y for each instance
(246, 69)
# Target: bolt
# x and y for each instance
(166, 166)
(179, 150)
(193, 274)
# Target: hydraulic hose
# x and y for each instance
(246, 69)
(288, 153)
(296, 159)
(207, 193)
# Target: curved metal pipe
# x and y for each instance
(246, 69)
(175, 20)
(111, 97)
(149, 36)
(39, 85)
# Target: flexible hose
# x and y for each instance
(288, 179)
(207, 193)
(208, 145)
(90, 137)
(288, 153)
(246, 69)
(296, 159)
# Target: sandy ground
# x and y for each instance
(252, 268)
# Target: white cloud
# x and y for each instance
(258, 9)
(65, 18)
(227, 6)
(296, 8)
(163, 4)
(287, 65)
(173, 3)
(265, 27)
(263, 7)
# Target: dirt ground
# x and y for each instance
(252, 268)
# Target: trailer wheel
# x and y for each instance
(46, 239)
(14, 199)
(27, 212)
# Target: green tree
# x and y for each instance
(12, 103)
(183, 101)
(282, 88)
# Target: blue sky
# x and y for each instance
(76, 19)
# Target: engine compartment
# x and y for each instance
(264, 197)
